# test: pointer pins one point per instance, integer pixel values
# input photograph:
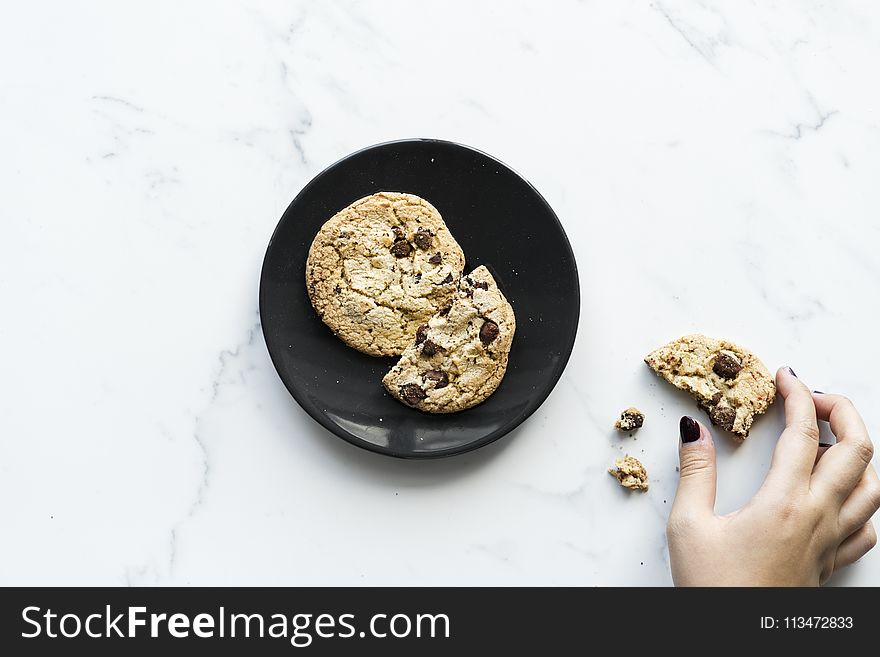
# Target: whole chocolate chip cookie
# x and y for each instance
(460, 357)
(729, 382)
(380, 268)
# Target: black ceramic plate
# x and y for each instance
(500, 221)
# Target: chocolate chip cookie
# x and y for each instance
(457, 359)
(729, 382)
(380, 268)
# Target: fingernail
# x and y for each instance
(689, 429)
(825, 445)
(819, 392)
(791, 371)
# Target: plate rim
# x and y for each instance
(346, 435)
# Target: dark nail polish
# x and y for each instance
(791, 371)
(819, 392)
(689, 429)
(825, 445)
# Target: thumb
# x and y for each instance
(696, 484)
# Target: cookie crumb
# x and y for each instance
(630, 420)
(630, 473)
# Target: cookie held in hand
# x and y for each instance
(729, 382)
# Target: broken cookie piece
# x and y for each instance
(630, 420)
(729, 382)
(459, 357)
(630, 473)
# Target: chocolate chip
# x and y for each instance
(447, 280)
(723, 416)
(445, 309)
(421, 333)
(423, 239)
(429, 348)
(337, 289)
(412, 393)
(488, 331)
(726, 366)
(435, 259)
(440, 379)
(483, 285)
(401, 249)
(710, 404)
(398, 233)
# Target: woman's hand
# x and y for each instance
(810, 517)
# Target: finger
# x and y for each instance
(856, 546)
(843, 465)
(823, 447)
(696, 483)
(861, 504)
(796, 448)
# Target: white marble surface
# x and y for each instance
(718, 161)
